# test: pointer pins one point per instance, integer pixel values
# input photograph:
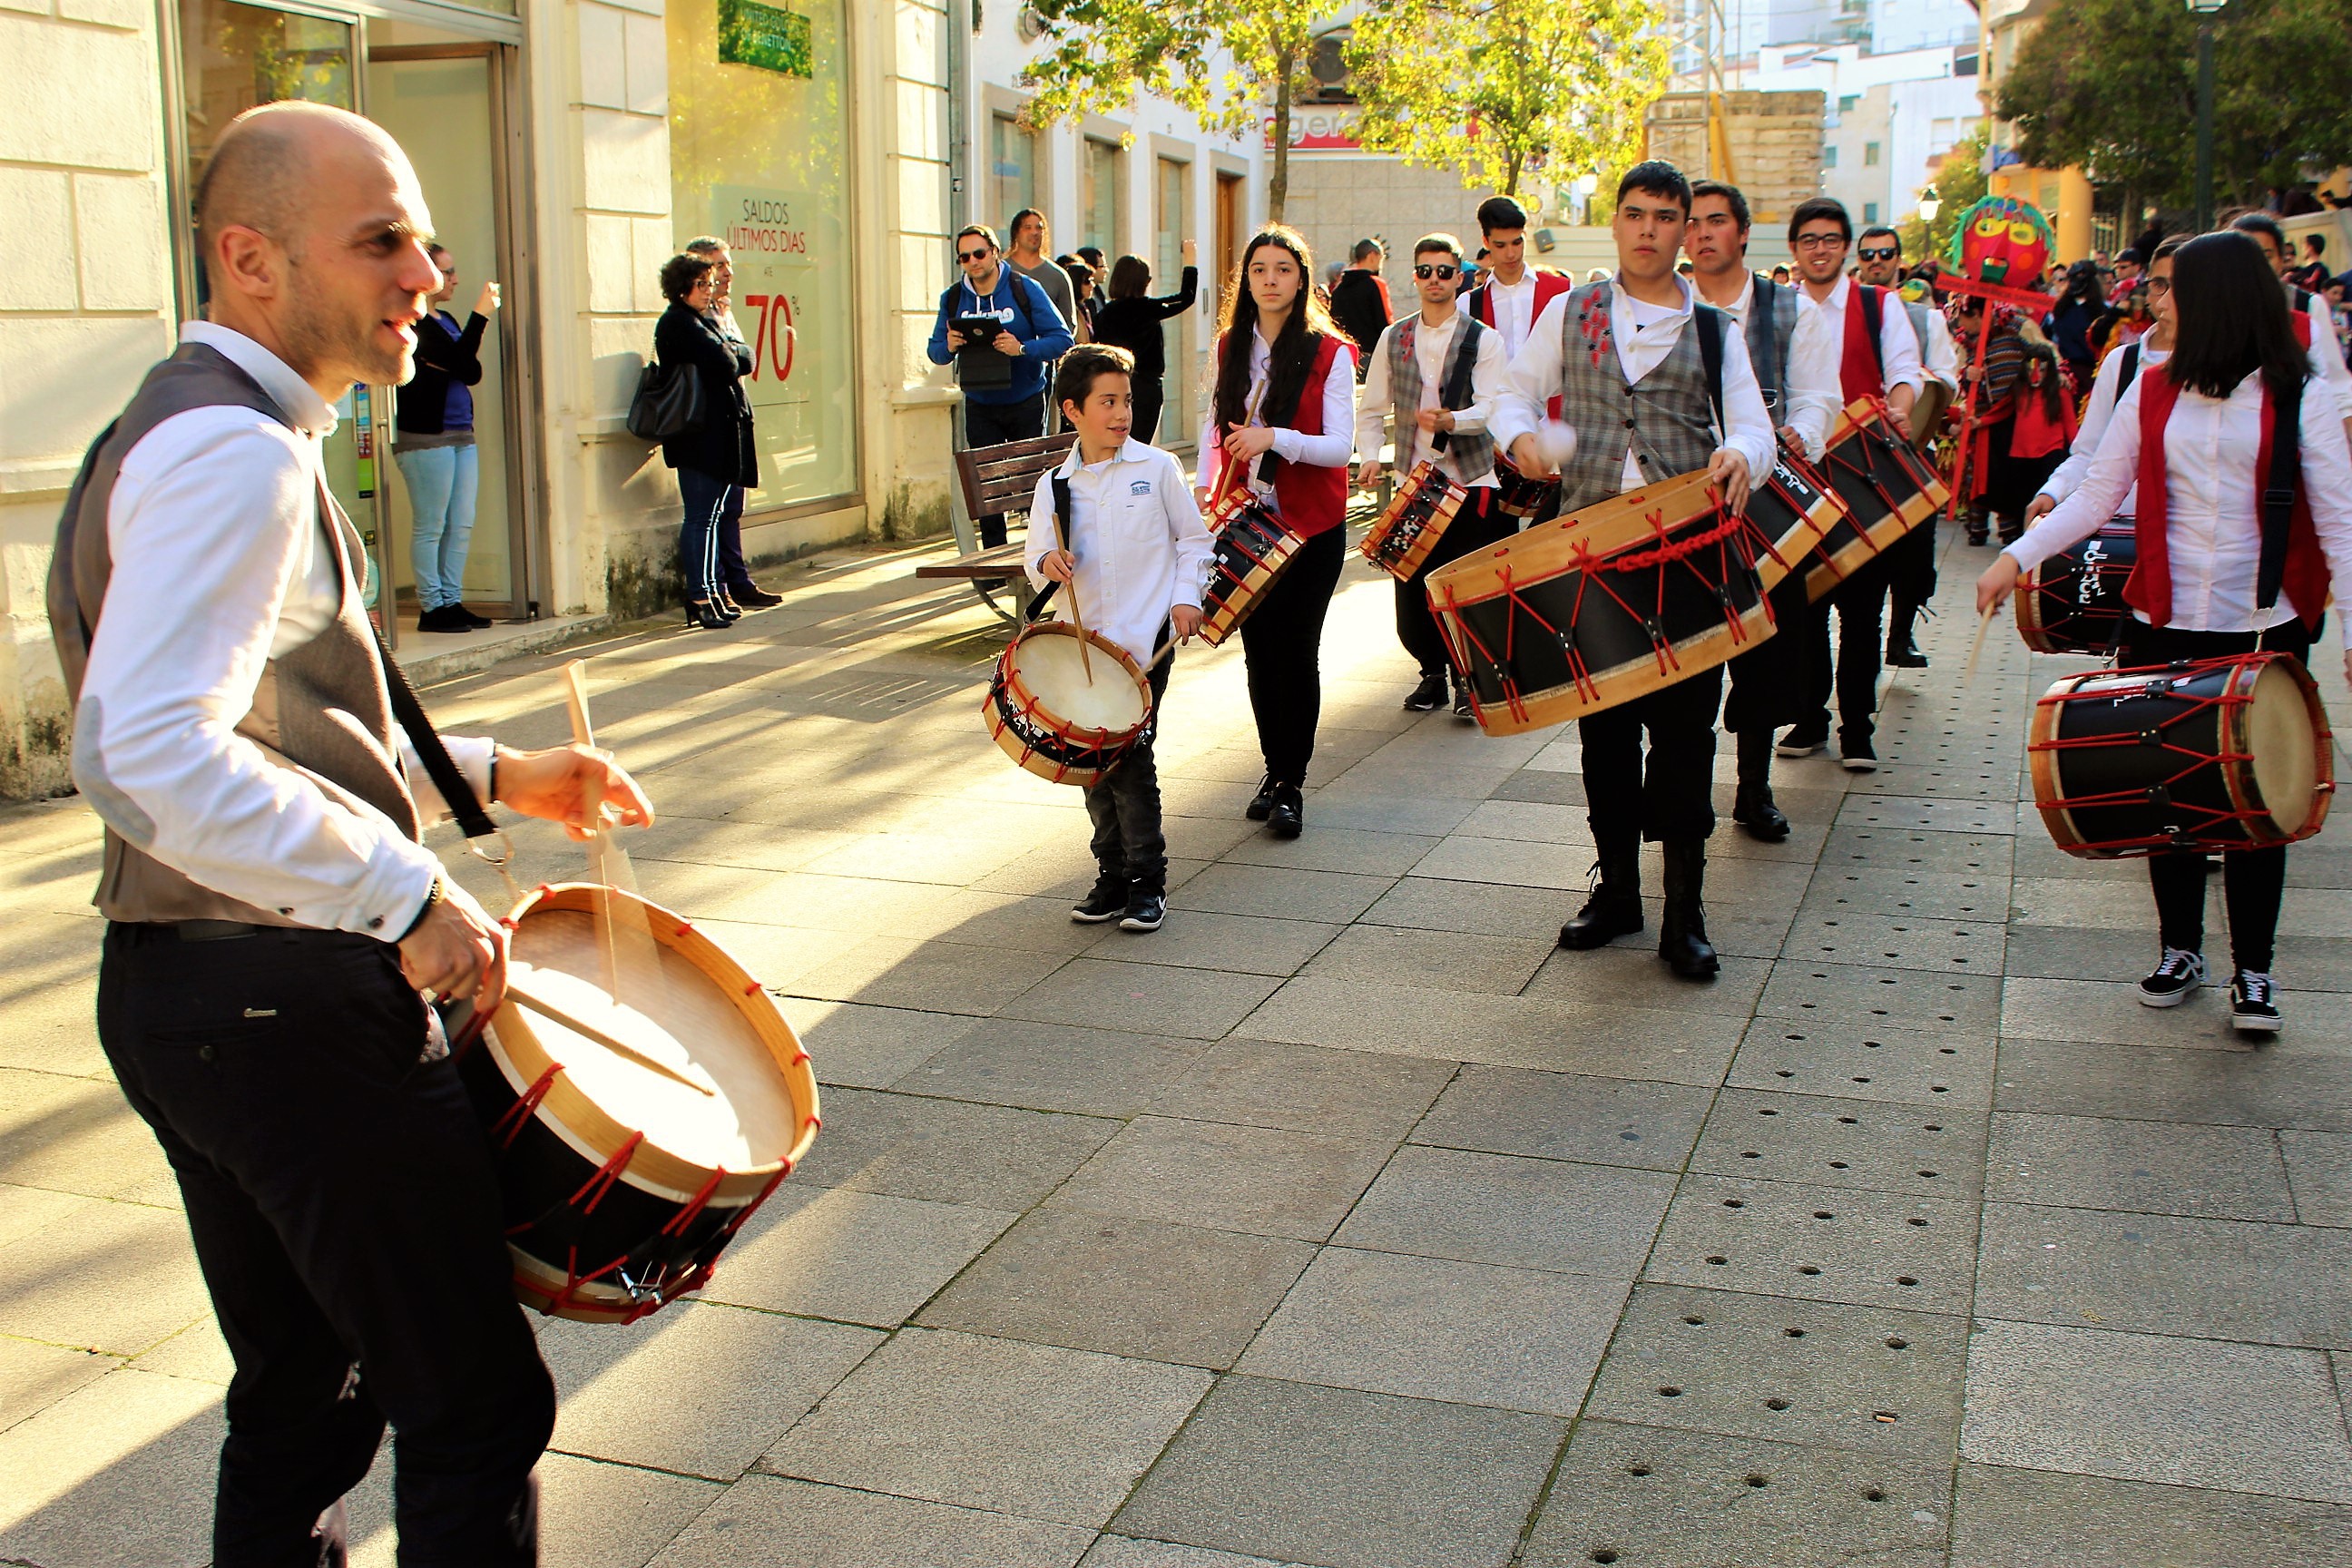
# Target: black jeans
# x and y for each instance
(985, 425)
(1671, 799)
(1124, 804)
(1147, 409)
(712, 508)
(1861, 604)
(2253, 880)
(1479, 523)
(1282, 647)
(346, 1217)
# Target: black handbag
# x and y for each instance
(669, 402)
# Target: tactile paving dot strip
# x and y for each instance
(1881, 850)
(1844, 1142)
(1818, 992)
(1932, 895)
(1950, 1068)
(1818, 1243)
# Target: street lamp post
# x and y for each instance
(2205, 11)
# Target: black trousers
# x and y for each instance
(1282, 648)
(1912, 565)
(1861, 604)
(1479, 523)
(345, 1215)
(1768, 682)
(2253, 880)
(985, 425)
(1124, 804)
(712, 508)
(1671, 798)
(1147, 409)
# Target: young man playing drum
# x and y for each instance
(1436, 373)
(1130, 552)
(1628, 357)
(274, 926)
(1511, 297)
(1801, 392)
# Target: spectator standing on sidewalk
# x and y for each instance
(1029, 335)
(1360, 301)
(434, 445)
(1130, 320)
(1025, 238)
(734, 573)
(716, 460)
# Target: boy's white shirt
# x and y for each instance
(1136, 533)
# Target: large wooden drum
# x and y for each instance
(1887, 487)
(1624, 598)
(621, 1183)
(2228, 754)
(1253, 550)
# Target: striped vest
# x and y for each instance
(1666, 417)
(1463, 454)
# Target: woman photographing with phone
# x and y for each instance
(1282, 405)
(2218, 575)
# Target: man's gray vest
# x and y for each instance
(1668, 418)
(322, 709)
(1467, 454)
(1771, 325)
(1917, 310)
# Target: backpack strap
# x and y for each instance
(1873, 315)
(2280, 484)
(1457, 391)
(1709, 322)
(2130, 369)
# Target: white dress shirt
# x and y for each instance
(1898, 346)
(2328, 356)
(2098, 410)
(1809, 378)
(221, 562)
(1515, 310)
(1327, 449)
(1136, 533)
(1645, 334)
(1429, 347)
(2211, 528)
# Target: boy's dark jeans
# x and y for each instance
(1124, 804)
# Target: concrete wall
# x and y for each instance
(1775, 145)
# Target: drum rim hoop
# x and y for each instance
(1008, 679)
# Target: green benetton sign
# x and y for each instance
(750, 34)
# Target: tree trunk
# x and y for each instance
(1511, 176)
(1277, 184)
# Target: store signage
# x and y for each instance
(764, 38)
(1319, 130)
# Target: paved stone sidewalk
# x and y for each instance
(1344, 1221)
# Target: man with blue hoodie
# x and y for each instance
(1032, 336)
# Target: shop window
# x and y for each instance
(1100, 220)
(1012, 173)
(759, 156)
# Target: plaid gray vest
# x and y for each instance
(1771, 326)
(1666, 417)
(1466, 456)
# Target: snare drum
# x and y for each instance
(1627, 596)
(2228, 754)
(1793, 507)
(620, 1184)
(2073, 602)
(1523, 496)
(1057, 717)
(1253, 549)
(1416, 518)
(1887, 487)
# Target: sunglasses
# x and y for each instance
(1443, 274)
(972, 256)
(1878, 253)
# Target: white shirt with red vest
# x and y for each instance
(1328, 447)
(2212, 525)
(1511, 309)
(1898, 346)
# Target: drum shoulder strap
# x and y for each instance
(1709, 322)
(1457, 391)
(1061, 537)
(2130, 369)
(408, 712)
(2280, 486)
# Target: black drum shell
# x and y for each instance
(2073, 602)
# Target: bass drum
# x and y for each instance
(1065, 715)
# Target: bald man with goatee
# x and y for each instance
(276, 931)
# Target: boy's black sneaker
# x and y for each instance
(1803, 740)
(1429, 696)
(2253, 1003)
(1144, 912)
(1106, 903)
(1464, 709)
(2177, 974)
(1857, 756)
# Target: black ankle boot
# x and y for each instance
(1902, 652)
(1261, 805)
(1614, 908)
(1752, 806)
(1682, 934)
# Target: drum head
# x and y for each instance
(673, 1012)
(2285, 750)
(1050, 669)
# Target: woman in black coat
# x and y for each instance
(1130, 321)
(716, 460)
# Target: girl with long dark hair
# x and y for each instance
(2218, 575)
(1282, 405)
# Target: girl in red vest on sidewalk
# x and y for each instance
(1283, 404)
(2216, 577)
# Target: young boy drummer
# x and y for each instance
(1437, 373)
(1128, 543)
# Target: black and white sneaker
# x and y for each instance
(2178, 975)
(1464, 709)
(2253, 1003)
(1144, 912)
(1857, 756)
(1429, 696)
(1106, 903)
(1803, 740)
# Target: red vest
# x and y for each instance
(2150, 589)
(1311, 498)
(1859, 375)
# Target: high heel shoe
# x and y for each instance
(701, 613)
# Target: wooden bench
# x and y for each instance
(998, 479)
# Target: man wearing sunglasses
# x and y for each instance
(1001, 402)
(1435, 373)
(1878, 356)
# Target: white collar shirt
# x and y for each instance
(1330, 448)
(220, 563)
(2212, 535)
(1429, 347)
(1898, 346)
(1137, 535)
(1808, 380)
(1515, 309)
(2099, 411)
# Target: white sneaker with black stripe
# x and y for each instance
(2178, 975)
(2253, 1003)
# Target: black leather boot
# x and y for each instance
(1614, 908)
(1752, 806)
(1682, 935)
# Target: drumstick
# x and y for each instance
(1086, 659)
(608, 864)
(1984, 621)
(518, 991)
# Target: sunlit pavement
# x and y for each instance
(1343, 1221)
